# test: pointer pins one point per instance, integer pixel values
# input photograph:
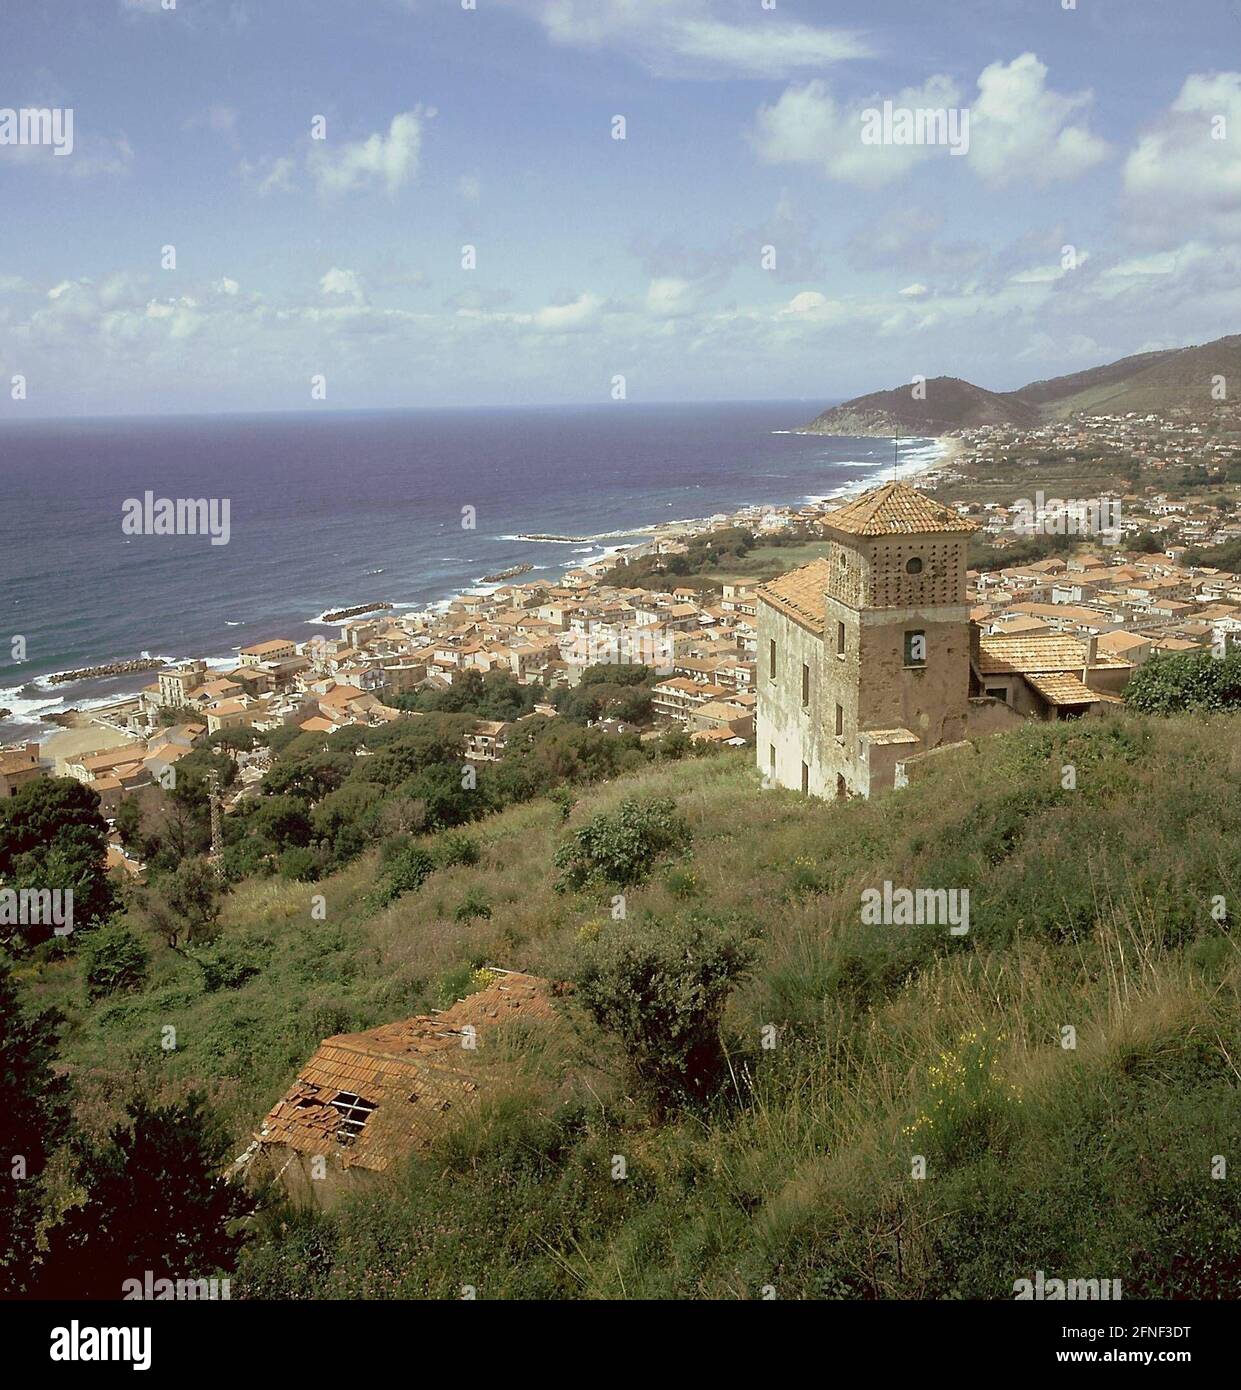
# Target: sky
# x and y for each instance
(742, 241)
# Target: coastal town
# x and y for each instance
(1117, 595)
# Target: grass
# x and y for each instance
(765, 562)
(1089, 910)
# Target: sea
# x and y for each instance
(328, 511)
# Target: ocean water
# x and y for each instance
(331, 510)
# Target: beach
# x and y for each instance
(238, 594)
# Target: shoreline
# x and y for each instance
(41, 726)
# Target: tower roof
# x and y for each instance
(896, 509)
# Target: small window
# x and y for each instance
(913, 565)
(805, 684)
(354, 1113)
(771, 758)
(915, 649)
(840, 721)
(771, 659)
(805, 779)
(840, 639)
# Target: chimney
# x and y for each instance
(1092, 650)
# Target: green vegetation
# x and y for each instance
(1186, 681)
(52, 837)
(618, 849)
(1026, 551)
(660, 988)
(768, 1066)
(729, 555)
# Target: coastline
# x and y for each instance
(54, 711)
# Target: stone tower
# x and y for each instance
(864, 657)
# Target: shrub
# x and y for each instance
(407, 872)
(455, 849)
(114, 960)
(661, 989)
(618, 848)
(301, 863)
(226, 967)
(472, 906)
(1189, 681)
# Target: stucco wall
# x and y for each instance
(798, 733)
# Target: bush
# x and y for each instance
(301, 864)
(114, 959)
(455, 849)
(472, 906)
(1190, 681)
(408, 870)
(226, 967)
(619, 848)
(661, 989)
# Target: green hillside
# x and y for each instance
(1155, 382)
(1091, 909)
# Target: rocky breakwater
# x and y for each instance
(111, 668)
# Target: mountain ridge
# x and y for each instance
(1158, 381)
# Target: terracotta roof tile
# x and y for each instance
(1061, 688)
(799, 594)
(896, 509)
(411, 1072)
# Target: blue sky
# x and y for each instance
(1112, 127)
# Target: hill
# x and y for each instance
(1084, 1152)
(1174, 379)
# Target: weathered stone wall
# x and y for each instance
(796, 732)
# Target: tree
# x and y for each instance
(241, 739)
(114, 959)
(660, 988)
(53, 837)
(187, 905)
(155, 1200)
(34, 1121)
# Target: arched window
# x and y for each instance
(913, 565)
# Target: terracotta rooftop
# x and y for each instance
(1061, 688)
(371, 1097)
(896, 509)
(799, 594)
(1036, 654)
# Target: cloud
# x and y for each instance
(92, 156)
(342, 282)
(671, 297)
(1017, 129)
(688, 38)
(1022, 132)
(470, 188)
(390, 160)
(908, 239)
(807, 125)
(1185, 172)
